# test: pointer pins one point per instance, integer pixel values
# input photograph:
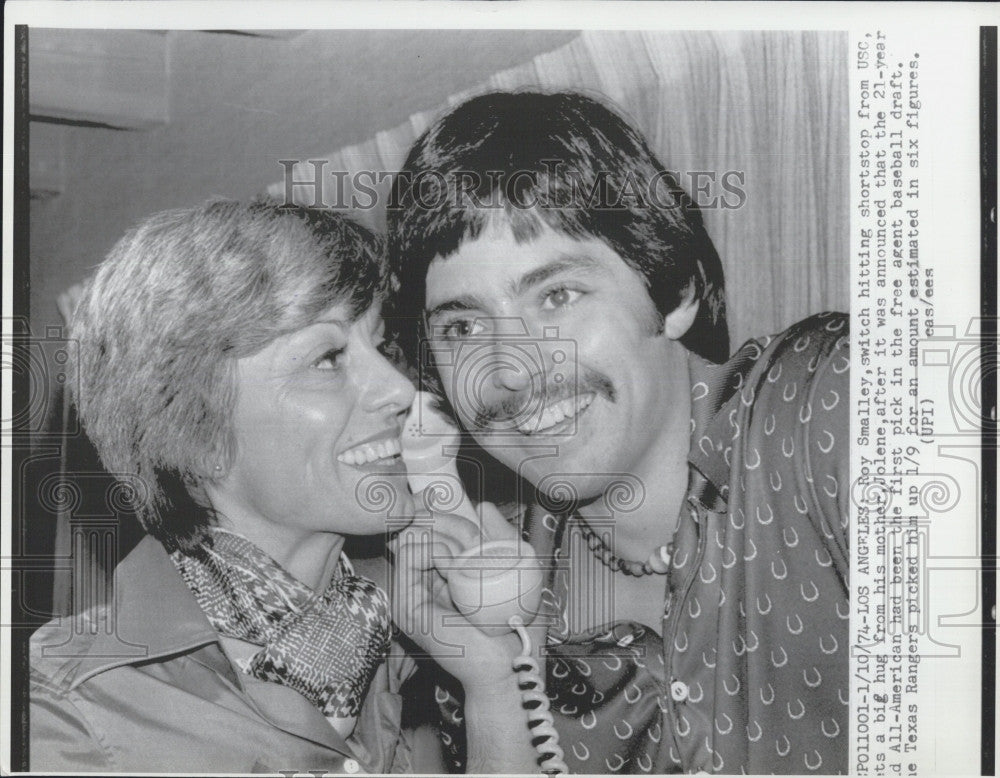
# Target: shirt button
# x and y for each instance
(351, 766)
(679, 691)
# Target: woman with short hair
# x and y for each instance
(232, 373)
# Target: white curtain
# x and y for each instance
(771, 106)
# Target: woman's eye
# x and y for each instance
(560, 298)
(463, 328)
(330, 360)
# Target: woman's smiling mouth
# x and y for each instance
(381, 450)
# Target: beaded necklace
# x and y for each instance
(658, 562)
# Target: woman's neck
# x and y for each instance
(310, 557)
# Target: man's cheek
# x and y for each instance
(462, 398)
(446, 380)
(464, 408)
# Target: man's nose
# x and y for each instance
(512, 376)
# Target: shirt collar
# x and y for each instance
(150, 613)
(713, 390)
(153, 614)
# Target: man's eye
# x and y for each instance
(560, 298)
(463, 328)
(330, 360)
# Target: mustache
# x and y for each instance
(527, 403)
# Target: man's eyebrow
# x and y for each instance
(563, 263)
(559, 265)
(462, 303)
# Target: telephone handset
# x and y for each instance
(492, 584)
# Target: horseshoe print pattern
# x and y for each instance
(751, 672)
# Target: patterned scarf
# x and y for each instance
(325, 646)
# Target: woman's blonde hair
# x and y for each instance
(177, 301)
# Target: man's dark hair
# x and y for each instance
(567, 161)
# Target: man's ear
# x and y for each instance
(679, 321)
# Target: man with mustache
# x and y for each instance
(691, 505)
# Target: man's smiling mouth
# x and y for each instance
(553, 417)
(519, 412)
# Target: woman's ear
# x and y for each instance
(679, 321)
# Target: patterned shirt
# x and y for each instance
(751, 673)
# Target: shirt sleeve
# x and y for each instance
(452, 725)
(788, 425)
(828, 442)
(61, 739)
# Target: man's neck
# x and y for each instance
(663, 474)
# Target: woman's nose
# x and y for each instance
(388, 389)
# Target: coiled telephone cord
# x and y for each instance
(536, 703)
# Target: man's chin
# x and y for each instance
(564, 473)
(560, 487)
